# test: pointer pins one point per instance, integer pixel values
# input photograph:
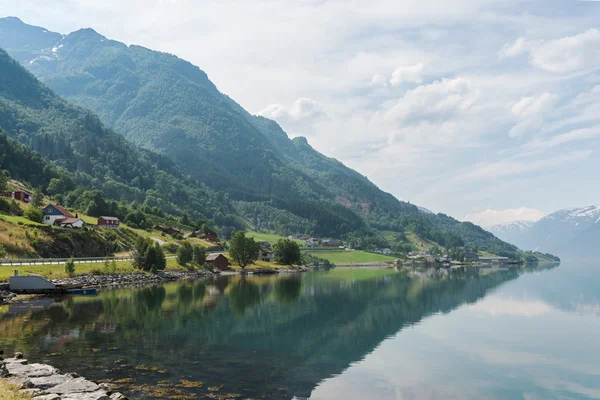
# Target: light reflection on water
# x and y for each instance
(350, 334)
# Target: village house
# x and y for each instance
(218, 260)
(108, 222)
(330, 243)
(56, 215)
(310, 242)
(265, 252)
(19, 195)
(209, 237)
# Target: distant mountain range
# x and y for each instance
(572, 233)
(151, 128)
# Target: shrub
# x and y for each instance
(110, 267)
(3, 252)
(33, 214)
(70, 267)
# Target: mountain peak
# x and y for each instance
(85, 32)
(12, 19)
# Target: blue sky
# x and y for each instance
(484, 110)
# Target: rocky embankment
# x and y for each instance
(130, 279)
(44, 382)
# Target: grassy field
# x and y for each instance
(15, 220)
(349, 257)
(420, 244)
(58, 271)
(267, 237)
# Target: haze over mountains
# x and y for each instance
(214, 159)
(572, 233)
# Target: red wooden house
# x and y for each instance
(219, 261)
(210, 237)
(109, 222)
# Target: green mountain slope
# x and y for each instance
(96, 157)
(169, 106)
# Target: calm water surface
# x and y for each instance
(342, 334)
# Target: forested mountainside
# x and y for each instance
(85, 153)
(572, 233)
(245, 169)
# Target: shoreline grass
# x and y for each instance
(10, 392)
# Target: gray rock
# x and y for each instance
(18, 355)
(118, 396)
(3, 370)
(77, 385)
(9, 361)
(97, 395)
(33, 370)
(52, 396)
(47, 382)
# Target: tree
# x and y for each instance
(3, 252)
(199, 254)
(70, 267)
(242, 249)
(185, 253)
(287, 252)
(33, 214)
(185, 220)
(148, 256)
(140, 251)
(4, 178)
(37, 198)
(160, 260)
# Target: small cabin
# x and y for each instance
(218, 260)
(18, 195)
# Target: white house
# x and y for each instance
(57, 215)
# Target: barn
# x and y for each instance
(218, 260)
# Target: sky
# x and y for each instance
(484, 110)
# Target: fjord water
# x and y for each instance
(340, 334)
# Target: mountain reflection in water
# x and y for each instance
(278, 336)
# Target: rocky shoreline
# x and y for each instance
(44, 382)
(141, 279)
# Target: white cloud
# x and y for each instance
(532, 106)
(520, 46)
(494, 170)
(379, 80)
(530, 112)
(410, 73)
(494, 217)
(437, 101)
(564, 55)
(303, 110)
(563, 138)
